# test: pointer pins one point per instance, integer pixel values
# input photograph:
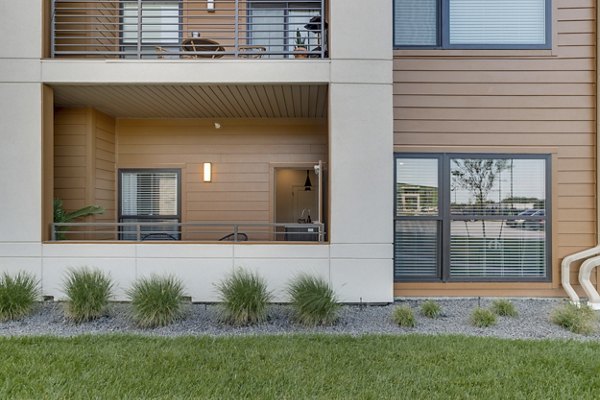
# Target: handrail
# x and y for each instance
(189, 231)
(232, 28)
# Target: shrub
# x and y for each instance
(482, 318)
(504, 308)
(431, 309)
(403, 316)
(245, 297)
(17, 295)
(582, 320)
(313, 300)
(156, 301)
(88, 291)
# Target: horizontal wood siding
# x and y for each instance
(84, 160)
(71, 127)
(242, 153)
(104, 187)
(511, 101)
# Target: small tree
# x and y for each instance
(477, 176)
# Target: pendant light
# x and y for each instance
(307, 183)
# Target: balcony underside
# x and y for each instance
(197, 101)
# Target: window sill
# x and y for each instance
(472, 53)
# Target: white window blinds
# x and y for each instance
(160, 22)
(497, 22)
(415, 22)
(149, 194)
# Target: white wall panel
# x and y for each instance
(369, 281)
(21, 162)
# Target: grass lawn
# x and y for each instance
(297, 367)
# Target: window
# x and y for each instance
(472, 217)
(149, 196)
(159, 25)
(275, 24)
(475, 24)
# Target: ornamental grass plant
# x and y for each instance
(578, 319)
(483, 318)
(245, 297)
(313, 300)
(431, 309)
(504, 308)
(403, 316)
(88, 292)
(156, 301)
(18, 294)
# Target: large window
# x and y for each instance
(472, 217)
(464, 24)
(276, 25)
(159, 25)
(149, 195)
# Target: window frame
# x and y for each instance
(443, 33)
(445, 217)
(285, 6)
(149, 218)
(123, 45)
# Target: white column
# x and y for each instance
(361, 150)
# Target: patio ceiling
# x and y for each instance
(198, 101)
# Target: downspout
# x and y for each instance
(588, 265)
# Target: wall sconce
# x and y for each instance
(210, 5)
(207, 172)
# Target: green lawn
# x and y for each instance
(297, 367)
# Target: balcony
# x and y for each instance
(190, 163)
(188, 29)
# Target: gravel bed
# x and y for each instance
(203, 319)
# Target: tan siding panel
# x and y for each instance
(241, 153)
(461, 100)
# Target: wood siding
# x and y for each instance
(511, 101)
(243, 153)
(84, 160)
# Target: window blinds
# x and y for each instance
(160, 22)
(497, 22)
(415, 23)
(149, 194)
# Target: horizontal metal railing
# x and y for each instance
(187, 231)
(188, 29)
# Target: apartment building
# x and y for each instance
(395, 148)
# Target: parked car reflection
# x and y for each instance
(529, 224)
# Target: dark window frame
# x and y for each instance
(445, 217)
(149, 218)
(443, 33)
(145, 48)
(285, 6)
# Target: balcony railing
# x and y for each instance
(188, 29)
(188, 231)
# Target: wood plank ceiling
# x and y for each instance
(198, 101)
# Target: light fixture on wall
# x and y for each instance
(307, 182)
(207, 172)
(210, 5)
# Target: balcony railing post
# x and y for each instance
(139, 29)
(322, 30)
(53, 231)
(235, 232)
(52, 33)
(236, 37)
(138, 232)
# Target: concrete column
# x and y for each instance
(361, 150)
(20, 162)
